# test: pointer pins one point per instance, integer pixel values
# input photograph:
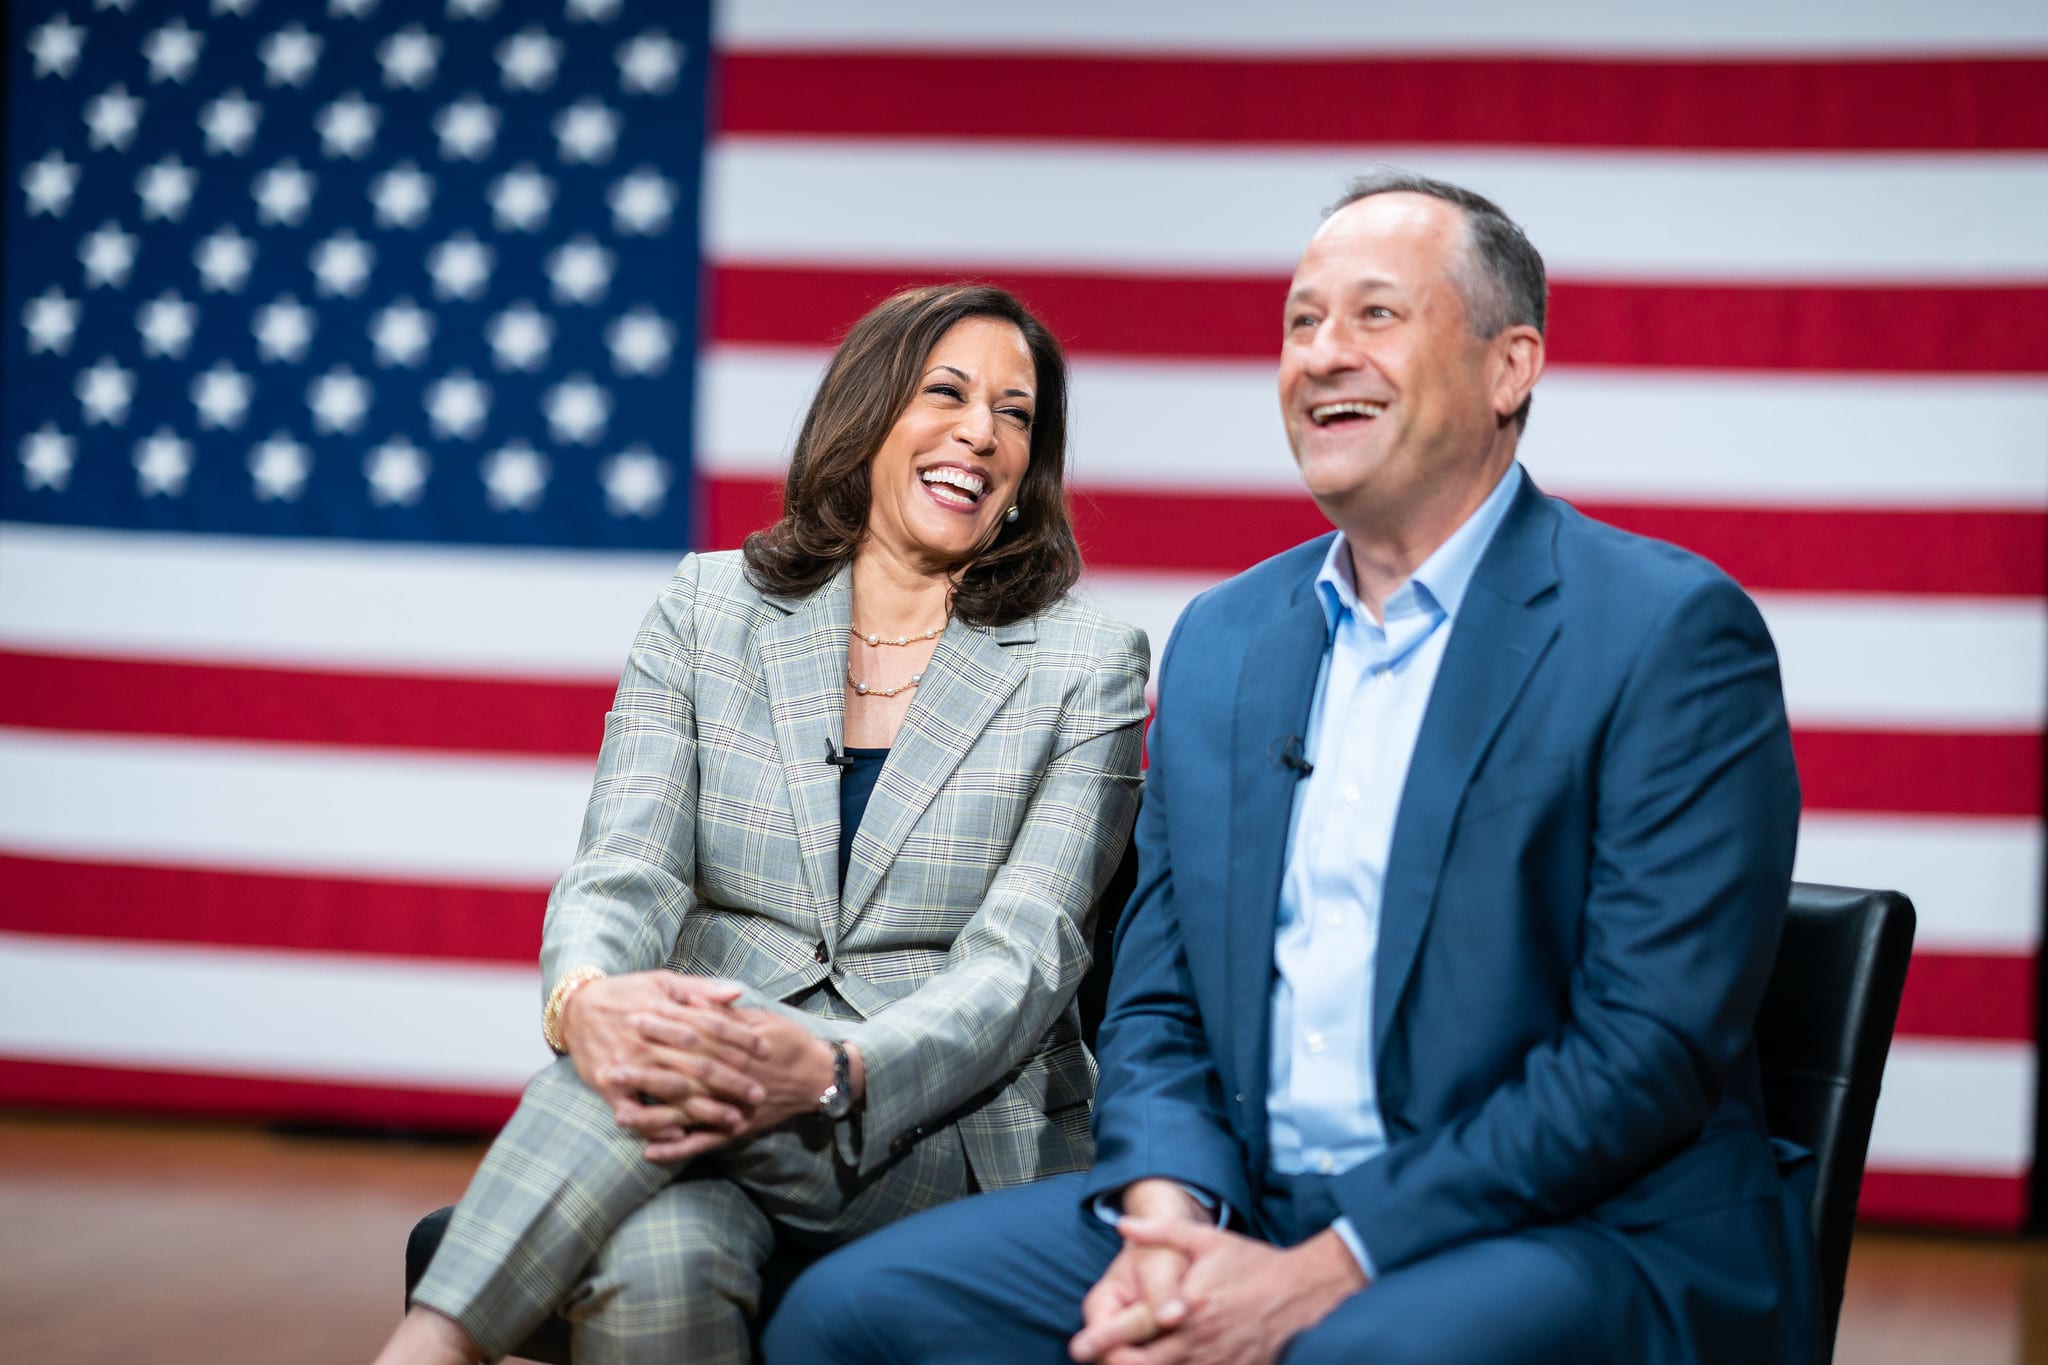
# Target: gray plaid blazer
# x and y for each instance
(711, 843)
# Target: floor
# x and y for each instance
(186, 1243)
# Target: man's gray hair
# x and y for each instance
(1501, 278)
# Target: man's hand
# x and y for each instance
(673, 1039)
(1243, 1299)
(1139, 1296)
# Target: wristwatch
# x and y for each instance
(837, 1101)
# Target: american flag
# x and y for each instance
(297, 716)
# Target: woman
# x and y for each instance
(859, 788)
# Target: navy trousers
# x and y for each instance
(998, 1278)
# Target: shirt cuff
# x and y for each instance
(1109, 1207)
(1352, 1242)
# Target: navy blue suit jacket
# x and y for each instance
(1588, 874)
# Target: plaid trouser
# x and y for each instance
(651, 1262)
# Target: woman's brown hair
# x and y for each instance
(873, 376)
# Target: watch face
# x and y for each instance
(836, 1102)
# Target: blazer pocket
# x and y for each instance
(1513, 784)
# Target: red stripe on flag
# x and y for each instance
(1971, 103)
(1969, 995)
(249, 701)
(1945, 774)
(263, 910)
(1988, 1203)
(260, 1098)
(1997, 553)
(1928, 329)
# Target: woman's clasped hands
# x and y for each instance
(682, 1067)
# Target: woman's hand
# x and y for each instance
(670, 1037)
(792, 1070)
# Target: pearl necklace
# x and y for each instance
(900, 641)
(863, 689)
(872, 641)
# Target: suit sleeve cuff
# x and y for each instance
(1348, 1234)
(1108, 1206)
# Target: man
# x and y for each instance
(1462, 860)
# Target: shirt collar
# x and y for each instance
(1443, 577)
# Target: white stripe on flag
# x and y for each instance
(1975, 880)
(290, 808)
(1620, 434)
(1599, 215)
(1960, 1108)
(306, 1016)
(1765, 28)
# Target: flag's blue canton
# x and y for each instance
(385, 270)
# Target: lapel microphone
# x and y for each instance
(1287, 752)
(834, 757)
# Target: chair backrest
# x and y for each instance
(1822, 1036)
(1093, 997)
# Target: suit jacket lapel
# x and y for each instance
(1275, 689)
(969, 678)
(1507, 620)
(803, 661)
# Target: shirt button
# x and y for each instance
(1325, 1162)
(1317, 1043)
(1351, 794)
(821, 952)
(1240, 1097)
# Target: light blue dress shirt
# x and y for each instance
(1322, 1108)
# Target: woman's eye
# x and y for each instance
(1021, 417)
(946, 390)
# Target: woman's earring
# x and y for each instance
(1010, 515)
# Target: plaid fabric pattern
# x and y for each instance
(711, 840)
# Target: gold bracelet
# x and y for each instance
(558, 1000)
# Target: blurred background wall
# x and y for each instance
(368, 363)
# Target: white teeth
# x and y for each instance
(970, 484)
(1323, 413)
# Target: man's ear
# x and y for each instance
(1518, 364)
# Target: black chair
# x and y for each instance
(1822, 1036)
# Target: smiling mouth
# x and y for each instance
(956, 487)
(1333, 414)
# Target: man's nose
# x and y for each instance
(1334, 350)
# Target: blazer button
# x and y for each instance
(821, 952)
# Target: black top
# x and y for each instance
(856, 784)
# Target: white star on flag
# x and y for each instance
(166, 323)
(236, 8)
(402, 196)
(104, 392)
(162, 463)
(640, 341)
(348, 126)
(278, 468)
(409, 57)
(56, 46)
(641, 203)
(520, 199)
(461, 267)
(49, 184)
(458, 405)
(649, 64)
(527, 60)
(593, 11)
(111, 118)
(221, 395)
(472, 9)
(284, 329)
(520, 337)
(467, 128)
(108, 254)
(635, 482)
(165, 188)
(172, 51)
(224, 259)
(577, 411)
(283, 194)
(230, 123)
(122, 5)
(46, 458)
(341, 264)
(397, 471)
(50, 318)
(586, 132)
(401, 333)
(351, 9)
(580, 271)
(289, 55)
(514, 477)
(339, 399)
